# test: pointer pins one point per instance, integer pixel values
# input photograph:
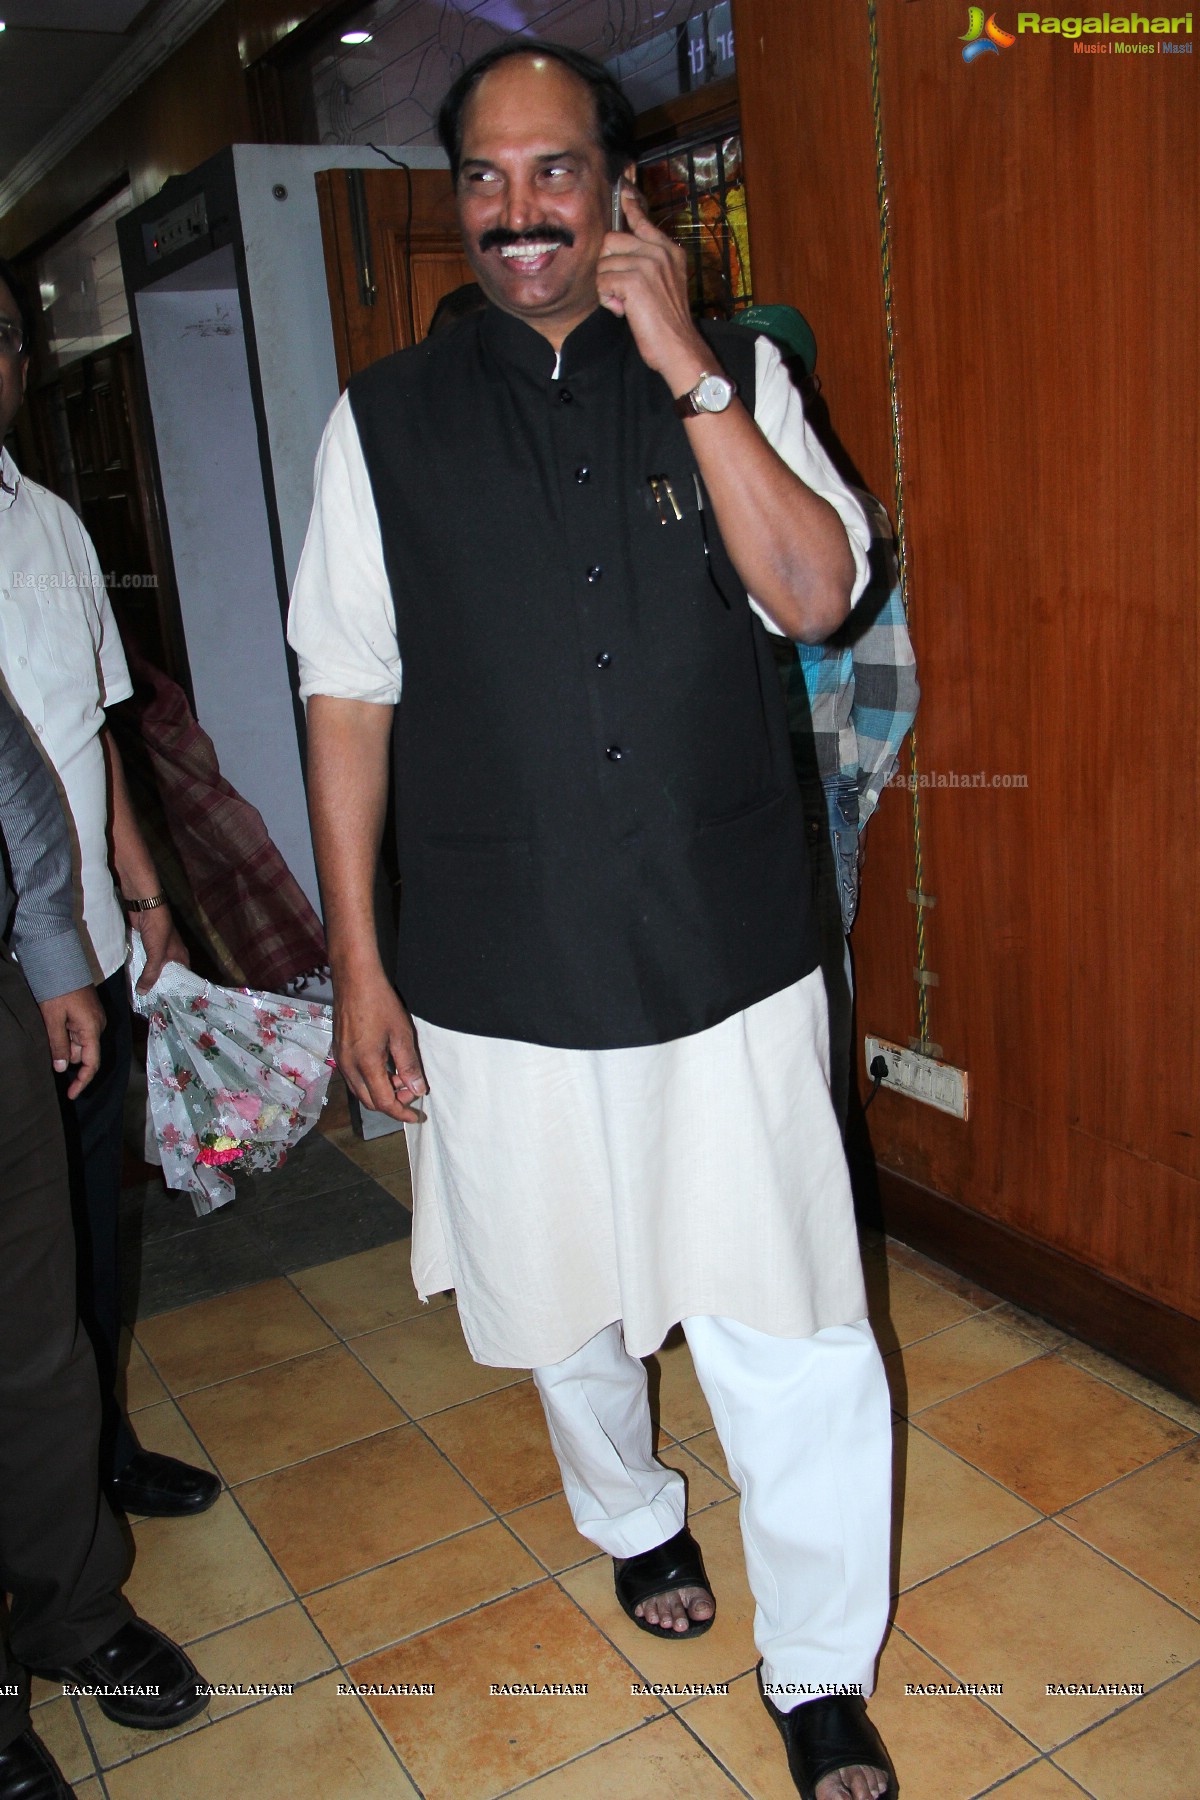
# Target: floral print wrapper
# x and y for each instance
(234, 1077)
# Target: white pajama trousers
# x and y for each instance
(805, 1424)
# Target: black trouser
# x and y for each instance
(93, 1126)
(62, 1557)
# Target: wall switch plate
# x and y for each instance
(920, 1077)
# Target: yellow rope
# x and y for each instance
(885, 252)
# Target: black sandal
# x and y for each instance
(828, 1733)
(675, 1564)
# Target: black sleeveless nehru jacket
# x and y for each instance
(601, 840)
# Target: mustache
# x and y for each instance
(499, 237)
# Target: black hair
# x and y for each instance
(16, 288)
(615, 126)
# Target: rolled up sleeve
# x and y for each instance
(342, 622)
(779, 415)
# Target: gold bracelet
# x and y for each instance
(148, 905)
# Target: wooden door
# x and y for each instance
(115, 499)
(392, 249)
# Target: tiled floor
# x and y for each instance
(394, 1516)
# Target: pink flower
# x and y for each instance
(296, 1075)
(245, 1105)
(267, 1035)
(199, 1003)
(286, 1012)
(206, 1041)
(172, 1137)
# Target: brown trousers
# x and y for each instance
(62, 1556)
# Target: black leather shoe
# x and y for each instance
(29, 1772)
(828, 1733)
(138, 1678)
(162, 1487)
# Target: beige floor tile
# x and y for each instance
(195, 1576)
(719, 1654)
(42, 1692)
(905, 1306)
(549, 1530)
(737, 1730)
(1051, 1432)
(137, 1383)
(356, 1507)
(384, 1159)
(960, 1357)
(951, 1745)
(1150, 1524)
(366, 1291)
(946, 1510)
(905, 1257)
(500, 1444)
(293, 1410)
(425, 1364)
(59, 1730)
(214, 1340)
(279, 1647)
(707, 1446)
(114, 1745)
(656, 1760)
(1041, 1609)
(314, 1744)
(679, 1406)
(1041, 1782)
(1149, 1748)
(1107, 1368)
(462, 1742)
(704, 1487)
(1040, 1330)
(422, 1590)
(163, 1428)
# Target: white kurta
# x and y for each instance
(558, 1190)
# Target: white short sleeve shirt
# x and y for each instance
(62, 661)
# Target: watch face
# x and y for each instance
(714, 393)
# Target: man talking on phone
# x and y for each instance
(548, 545)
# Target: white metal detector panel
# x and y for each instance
(212, 478)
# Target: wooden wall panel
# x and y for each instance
(193, 105)
(1046, 270)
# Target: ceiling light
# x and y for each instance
(356, 37)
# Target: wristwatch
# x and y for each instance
(711, 394)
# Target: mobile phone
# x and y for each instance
(618, 211)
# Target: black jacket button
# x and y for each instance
(595, 572)
(565, 396)
(603, 660)
(614, 753)
(582, 474)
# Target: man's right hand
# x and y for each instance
(370, 1025)
(74, 1023)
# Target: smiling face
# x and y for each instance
(13, 369)
(534, 198)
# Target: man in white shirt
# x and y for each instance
(538, 533)
(62, 663)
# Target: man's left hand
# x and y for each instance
(162, 944)
(74, 1022)
(642, 276)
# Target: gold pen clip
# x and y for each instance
(664, 498)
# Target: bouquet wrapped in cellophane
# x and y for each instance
(234, 1078)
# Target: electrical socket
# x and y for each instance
(921, 1077)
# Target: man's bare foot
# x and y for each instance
(665, 1590)
(855, 1783)
(678, 1608)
